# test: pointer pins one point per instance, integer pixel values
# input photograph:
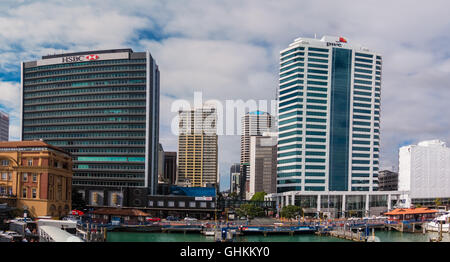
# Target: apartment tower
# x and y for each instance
(197, 148)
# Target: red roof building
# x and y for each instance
(401, 214)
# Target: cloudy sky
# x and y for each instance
(230, 50)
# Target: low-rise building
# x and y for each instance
(37, 177)
(387, 181)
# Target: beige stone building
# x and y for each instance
(37, 177)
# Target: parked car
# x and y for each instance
(153, 219)
(190, 219)
(11, 233)
(172, 218)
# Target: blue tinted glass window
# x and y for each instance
(318, 49)
(339, 119)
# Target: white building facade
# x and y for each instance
(253, 124)
(424, 171)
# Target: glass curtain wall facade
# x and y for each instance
(4, 126)
(329, 116)
(103, 108)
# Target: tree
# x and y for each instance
(437, 202)
(291, 211)
(249, 210)
(258, 196)
(233, 196)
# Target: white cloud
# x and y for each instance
(229, 50)
(10, 102)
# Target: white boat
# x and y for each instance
(435, 224)
(209, 233)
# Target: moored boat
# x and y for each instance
(435, 224)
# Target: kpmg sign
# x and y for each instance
(82, 58)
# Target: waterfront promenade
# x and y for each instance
(263, 226)
(268, 229)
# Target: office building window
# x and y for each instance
(24, 192)
(34, 177)
(33, 192)
(25, 177)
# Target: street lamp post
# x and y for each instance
(25, 211)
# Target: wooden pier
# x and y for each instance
(91, 233)
(181, 228)
(410, 227)
(359, 236)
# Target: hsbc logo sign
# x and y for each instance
(79, 58)
(87, 57)
(92, 57)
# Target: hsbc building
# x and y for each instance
(102, 107)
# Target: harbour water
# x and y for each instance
(382, 235)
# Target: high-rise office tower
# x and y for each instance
(160, 163)
(102, 107)
(329, 116)
(197, 148)
(253, 124)
(263, 164)
(4, 126)
(170, 167)
(235, 171)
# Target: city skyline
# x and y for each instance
(188, 38)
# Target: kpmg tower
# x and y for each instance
(329, 121)
(103, 108)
